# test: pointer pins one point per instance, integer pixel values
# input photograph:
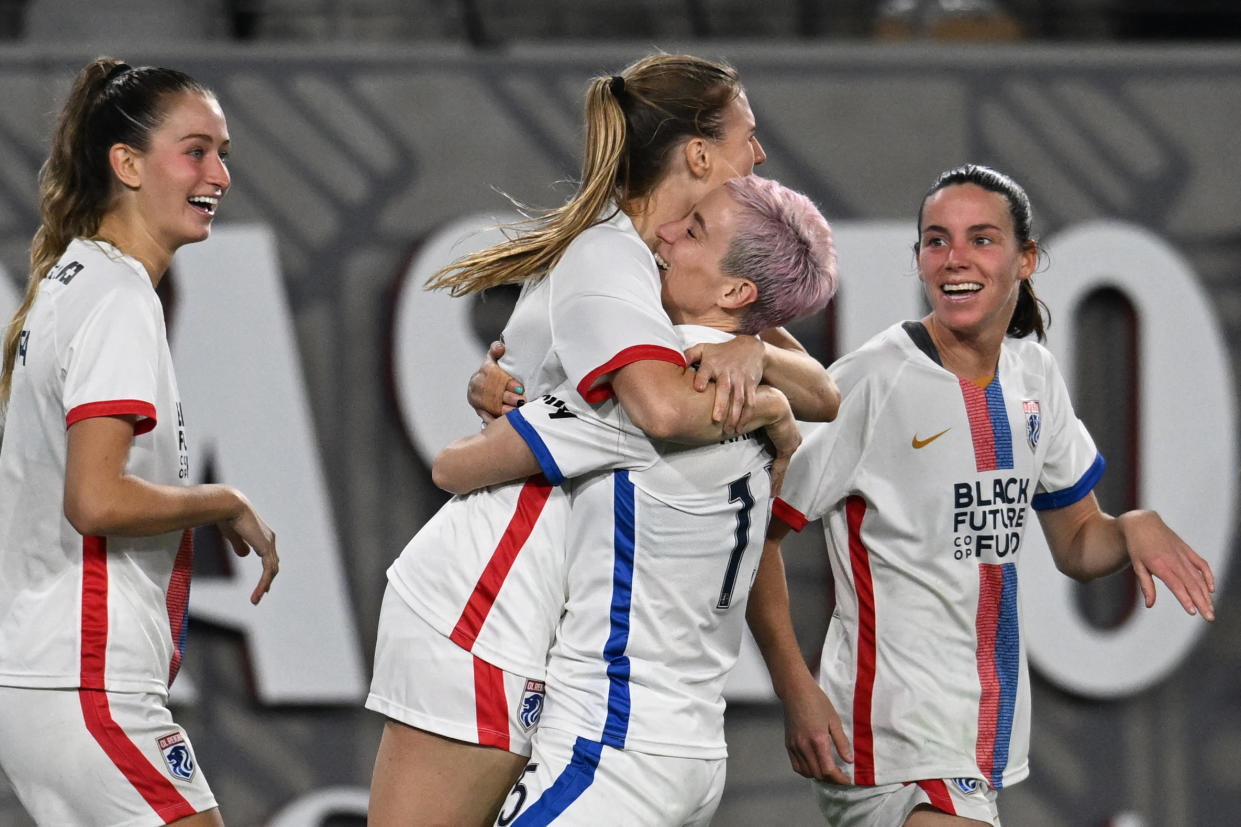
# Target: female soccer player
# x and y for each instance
(952, 428)
(659, 137)
(95, 502)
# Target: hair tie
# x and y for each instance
(617, 86)
(116, 71)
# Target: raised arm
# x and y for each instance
(494, 455)
(811, 724)
(1087, 543)
(774, 357)
(101, 499)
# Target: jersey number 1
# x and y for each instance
(738, 492)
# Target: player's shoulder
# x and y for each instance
(1030, 354)
(93, 269)
(879, 359)
(614, 234)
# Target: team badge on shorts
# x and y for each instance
(1034, 421)
(966, 785)
(177, 756)
(531, 704)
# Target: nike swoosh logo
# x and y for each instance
(922, 443)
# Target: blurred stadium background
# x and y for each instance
(365, 130)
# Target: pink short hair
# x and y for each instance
(784, 245)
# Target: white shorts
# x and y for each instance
(98, 758)
(888, 805)
(425, 680)
(573, 781)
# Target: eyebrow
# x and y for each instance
(202, 136)
(973, 228)
(697, 217)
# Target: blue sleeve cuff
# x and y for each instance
(1068, 496)
(536, 445)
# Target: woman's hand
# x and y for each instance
(247, 531)
(811, 728)
(1157, 551)
(736, 368)
(492, 392)
(785, 439)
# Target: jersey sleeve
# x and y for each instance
(823, 469)
(1073, 465)
(112, 361)
(570, 438)
(606, 311)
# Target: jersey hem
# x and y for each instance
(641, 745)
(445, 626)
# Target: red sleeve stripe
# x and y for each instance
(116, 407)
(795, 519)
(592, 393)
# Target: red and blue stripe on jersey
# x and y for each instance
(999, 635)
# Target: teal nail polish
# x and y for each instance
(519, 389)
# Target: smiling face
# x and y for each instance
(970, 261)
(182, 174)
(689, 252)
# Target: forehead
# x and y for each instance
(967, 204)
(718, 209)
(193, 113)
(738, 114)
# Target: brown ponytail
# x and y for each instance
(110, 103)
(634, 123)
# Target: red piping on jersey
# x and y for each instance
(530, 502)
(990, 589)
(981, 433)
(94, 631)
(864, 685)
(937, 791)
(138, 770)
(177, 600)
(787, 513)
(116, 407)
(490, 705)
(628, 356)
(154, 788)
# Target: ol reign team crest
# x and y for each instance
(531, 704)
(1034, 421)
(177, 756)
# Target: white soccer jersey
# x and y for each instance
(90, 612)
(925, 482)
(660, 562)
(487, 570)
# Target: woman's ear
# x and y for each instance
(698, 157)
(126, 165)
(740, 292)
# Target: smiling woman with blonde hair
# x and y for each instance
(95, 502)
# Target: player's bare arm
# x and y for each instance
(1087, 543)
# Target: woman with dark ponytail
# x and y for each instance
(96, 509)
(951, 430)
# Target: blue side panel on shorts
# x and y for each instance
(567, 788)
(1008, 670)
(616, 727)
